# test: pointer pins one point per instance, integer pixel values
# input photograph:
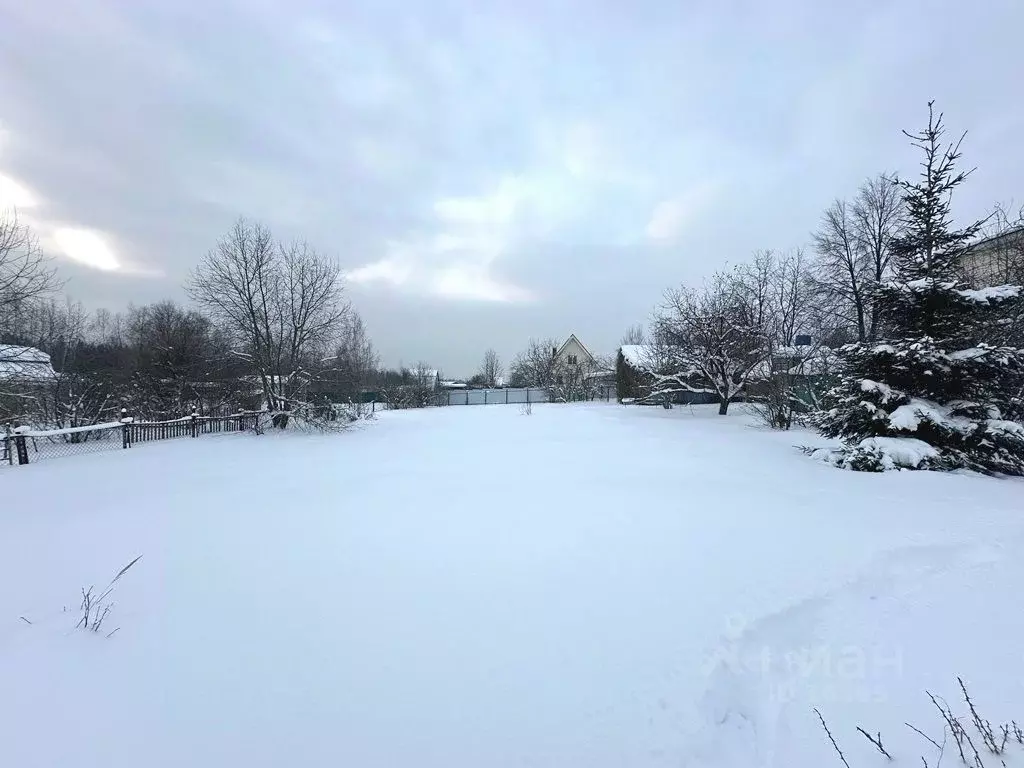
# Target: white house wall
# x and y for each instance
(573, 347)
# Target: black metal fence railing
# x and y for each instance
(23, 445)
(191, 426)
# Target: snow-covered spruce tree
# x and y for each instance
(933, 392)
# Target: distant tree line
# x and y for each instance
(269, 329)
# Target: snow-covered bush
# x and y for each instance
(792, 393)
(776, 407)
(880, 454)
(318, 416)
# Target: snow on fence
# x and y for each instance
(24, 445)
(191, 426)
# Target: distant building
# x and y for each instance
(573, 360)
(26, 365)
(996, 260)
(572, 353)
(26, 374)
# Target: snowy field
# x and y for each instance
(584, 586)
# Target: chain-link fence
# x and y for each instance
(27, 446)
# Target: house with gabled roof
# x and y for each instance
(575, 364)
(572, 353)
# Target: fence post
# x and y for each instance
(126, 439)
(22, 448)
(527, 395)
(506, 395)
(485, 397)
(195, 423)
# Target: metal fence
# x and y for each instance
(494, 396)
(508, 396)
(27, 446)
(191, 426)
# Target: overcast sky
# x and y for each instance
(484, 171)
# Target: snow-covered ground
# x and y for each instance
(584, 586)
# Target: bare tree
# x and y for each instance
(566, 379)
(785, 304)
(999, 259)
(26, 273)
(282, 303)
(793, 298)
(715, 339)
(634, 336)
(104, 326)
(854, 243)
(840, 275)
(417, 387)
(878, 215)
(176, 354)
(490, 369)
(355, 360)
(573, 381)
(536, 365)
(75, 397)
(424, 378)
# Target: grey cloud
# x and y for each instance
(643, 144)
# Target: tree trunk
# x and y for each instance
(723, 407)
